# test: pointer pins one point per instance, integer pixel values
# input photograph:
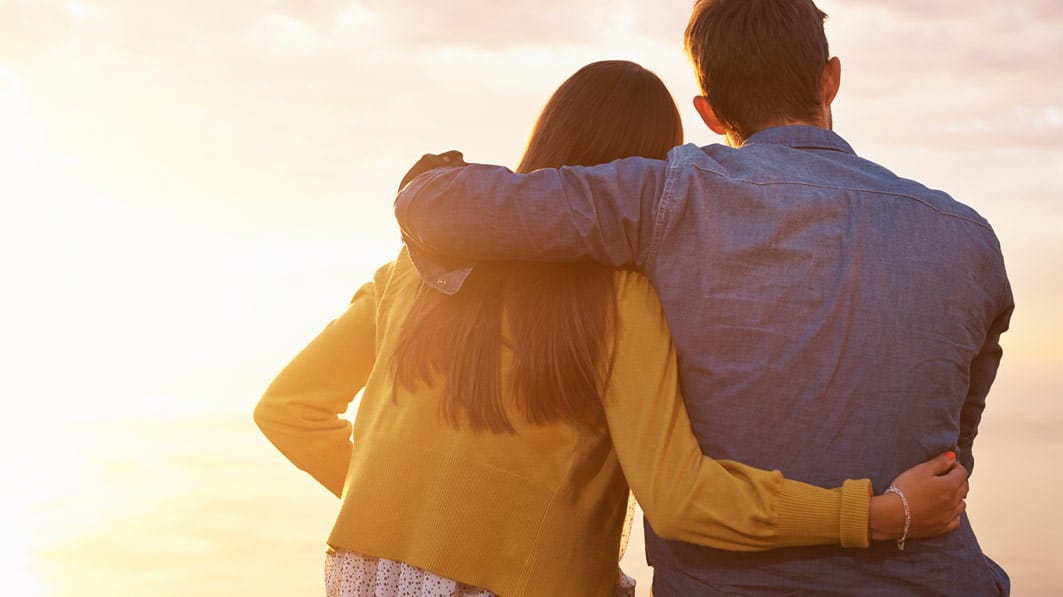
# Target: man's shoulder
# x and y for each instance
(888, 182)
(937, 201)
(826, 166)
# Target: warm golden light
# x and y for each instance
(77, 10)
(190, 193)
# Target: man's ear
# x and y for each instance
(708, 115)
(832, 80)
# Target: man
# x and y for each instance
(831, 319)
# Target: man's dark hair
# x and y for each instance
(759, 62)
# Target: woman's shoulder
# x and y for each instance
(635, 289)
(393, 273)
(638, 305)
(401, 267)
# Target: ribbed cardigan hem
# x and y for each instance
(842, 519)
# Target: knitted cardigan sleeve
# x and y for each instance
(300, 411)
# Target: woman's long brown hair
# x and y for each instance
(555, 319)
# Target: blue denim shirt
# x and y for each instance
(832, 321)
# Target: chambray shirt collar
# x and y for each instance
(800, 137)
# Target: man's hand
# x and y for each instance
(431, 161)
(936, 491)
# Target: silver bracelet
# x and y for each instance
(907, 514)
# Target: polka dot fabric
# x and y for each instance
(348, 574)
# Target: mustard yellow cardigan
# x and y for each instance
(538, 512)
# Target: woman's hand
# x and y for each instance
(935, 489)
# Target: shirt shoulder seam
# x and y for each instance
(923, 202)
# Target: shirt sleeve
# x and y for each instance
(602, 213)
(300, 411)
(691, 497)
(983, 372)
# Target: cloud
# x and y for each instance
(952, 71)
(265, 99)
(951, 10)
(500, 25)
(251, 98)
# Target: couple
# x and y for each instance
(829, 322)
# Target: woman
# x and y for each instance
(500, 429)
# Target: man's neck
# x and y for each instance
(733, 139)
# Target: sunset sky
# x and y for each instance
(192, 189)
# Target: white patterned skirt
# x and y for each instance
(348, 574)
